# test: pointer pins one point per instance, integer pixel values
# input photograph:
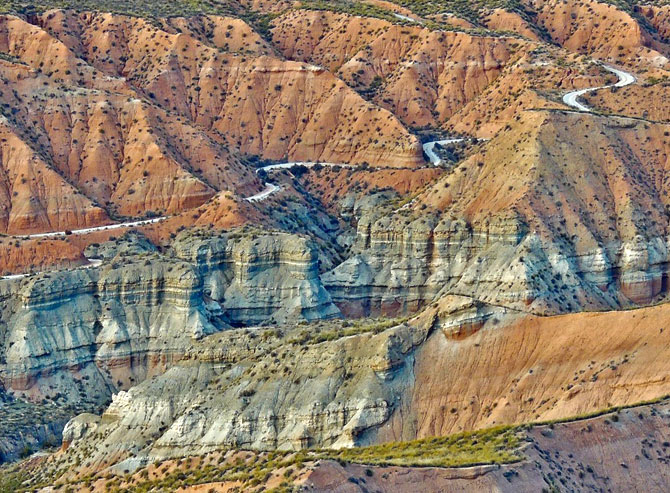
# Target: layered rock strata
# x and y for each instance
(79, 335)
(248, 388)
(525, 223)
(294, 387)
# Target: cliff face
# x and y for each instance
(96, 328)
(77, 336)
(261, 277)
(526, 223)
(618, 450)
(246, 388)
(402, 263)
(292, 388)
(593, 186)
(208, 341)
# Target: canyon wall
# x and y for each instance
(77, 336)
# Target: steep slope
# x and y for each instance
(112, 324)
(430, 377)
(504, 20)
(33, 196)
(601, 29)
(534, 81)
(424, 75)
(124, 118)
(658, 17)
(621, 161)
(120, 152)
(258, 104)
(336, 189)
(618, 450)
(428, 77)
(561, 211)
(537, 259)
(553, 185)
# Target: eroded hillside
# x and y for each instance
(381, 241)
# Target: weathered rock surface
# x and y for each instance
(526, 223)
(467, 82)
(260, 277)
(616, 451)
(107, 115)
(402, 263)
(248, 388)
(459, 366)
(77, 336)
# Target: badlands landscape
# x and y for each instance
(335, 246)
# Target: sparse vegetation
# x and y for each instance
(253, 469)
(148, 9)
(322, 332)
(493, 446)
(139, 8)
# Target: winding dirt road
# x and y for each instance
(571, 99)
(271, 188)
(130, 224)
(625, 79)
(429, 149)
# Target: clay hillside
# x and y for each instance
(334, 246)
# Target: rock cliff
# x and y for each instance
(248, 388)
(77, 336)
(322, 386)
(524, 223)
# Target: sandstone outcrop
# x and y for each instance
(401, 263)
(618, 450)
(524, 259)
(248, 388)
(526, 224)
(260, 277)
